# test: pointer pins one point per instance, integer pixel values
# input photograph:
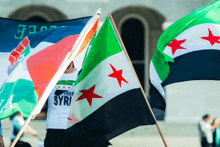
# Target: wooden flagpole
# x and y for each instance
(45, 95)
(122, 44)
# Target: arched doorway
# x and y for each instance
(132, 33)
(140, 28)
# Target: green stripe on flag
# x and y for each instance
(206, 14)
(70, 82)
(89, 47)
(105, 39)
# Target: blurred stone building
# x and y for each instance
(140, 24)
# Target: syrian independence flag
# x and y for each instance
(12, 32)
(187, 50)
(108, 99)
(35, 62)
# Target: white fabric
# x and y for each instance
(17, 122)
(206, 131)
(194, 42)
(59, 104)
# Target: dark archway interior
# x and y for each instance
(132, 34)
(37, 19)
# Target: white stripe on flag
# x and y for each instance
(155, 80)
(194, 41)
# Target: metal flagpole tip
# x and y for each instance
(98, 11)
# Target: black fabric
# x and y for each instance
(21, 144)
(206, 144)
(120, 114)
(16, 131)
(198, 65)
(54, 137)
(214, 138)
(156, 99)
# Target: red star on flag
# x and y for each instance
(212, 39)
(117, 74)
(175, 44)
(89, 95)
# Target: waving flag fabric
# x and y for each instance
(187, 50)
(34, 62)
(12, 32)
(108, 99)
(32, 69)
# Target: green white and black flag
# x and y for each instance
(108, 100)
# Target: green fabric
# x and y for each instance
(207, 14)
(89, 47)
(105, 45)
(217, 137)
(65, 82)
(24, 98)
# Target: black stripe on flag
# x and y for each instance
(122, 113)
(198, 65)
(156, 99)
